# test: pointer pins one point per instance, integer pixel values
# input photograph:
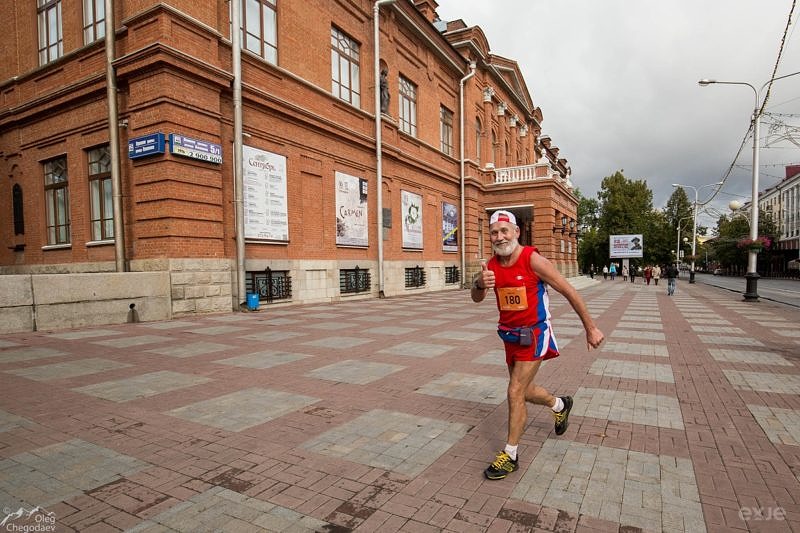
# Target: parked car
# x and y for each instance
(717, 271)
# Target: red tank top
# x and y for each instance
(518, 286)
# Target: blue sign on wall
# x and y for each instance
(146, 145)
(195, 148)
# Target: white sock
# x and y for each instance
(511, 451)
(559, 405)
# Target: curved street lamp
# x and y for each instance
(751, 290)
(694, 225)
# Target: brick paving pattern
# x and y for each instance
(380, 415)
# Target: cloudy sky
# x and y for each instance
(617, 83)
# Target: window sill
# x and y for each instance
(100, 243)
(56, 247)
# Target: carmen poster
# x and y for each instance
(351, 210)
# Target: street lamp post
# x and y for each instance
(751, 290)
(694, 225)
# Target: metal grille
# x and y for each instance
(451, 275)
(270, 285)
(415, 277)
(354, 280)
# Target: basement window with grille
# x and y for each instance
(451, 275)
(415, 277)
(271, 285)
(354, 280)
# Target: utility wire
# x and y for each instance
(763, 106)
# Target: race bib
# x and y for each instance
(512, 298)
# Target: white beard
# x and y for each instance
(505, 249)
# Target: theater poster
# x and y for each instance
(351, 210)
(411, 205)
(266, 212)
(449, 227)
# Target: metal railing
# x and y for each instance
(270, 285)
(451, 275)
(354, 280)
(415, 277)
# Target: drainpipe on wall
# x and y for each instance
(462, 229)
(113, 139)
(378, 148)
(238, 183)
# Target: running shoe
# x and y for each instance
(562, 418)
(502, 466)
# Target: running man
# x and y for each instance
(519, 277)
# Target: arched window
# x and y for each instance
(16, 202)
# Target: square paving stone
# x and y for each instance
(469, 387)
(243, 409)
(272, 335)
(782, 426)
(626, 406)
(9, 421)
(192, 349)
(776, 324)
(459, 335)
(709, 328)
(391, 440)
(390, 330)
(657, 350)
(764, 381)
(723, 339)
(640, 318)
(69, 369)
(338, 343)
(217, 330)
(7, 344)
(84, 334)
(426, 322)
(221, 509)
(172, 324)
(29, 353)
(356, 372)
(136, 340)
(374, 318)
(567, 331)
(265, 359)
(330, 326)
(417, 349)
(788, 333)
(748, 356)
(635, 489)
(632, 370)
(142, 386)
(493, 357)
(45, 476)
(641, 335)
(640, 325)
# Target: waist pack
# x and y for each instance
(522, 336)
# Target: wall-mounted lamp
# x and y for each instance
(563, 226)
(572, 231)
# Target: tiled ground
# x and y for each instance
(380, 415)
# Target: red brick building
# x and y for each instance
(309, 199)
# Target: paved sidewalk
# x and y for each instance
(380, 415)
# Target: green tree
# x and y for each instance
(678, 207)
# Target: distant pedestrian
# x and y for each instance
(648, 273)
(624, 273)
(591, 271)
(613, 271)
(605, 272)
(672, 274)
(656, 273)
(519, 278)
(633, 274)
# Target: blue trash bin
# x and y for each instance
(252, 301)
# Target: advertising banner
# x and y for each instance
(266, 212)
(411, 205)
(625, 246)
(449, 227)
(351, 210)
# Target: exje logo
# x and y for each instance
(23, 520)
(762, 513)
